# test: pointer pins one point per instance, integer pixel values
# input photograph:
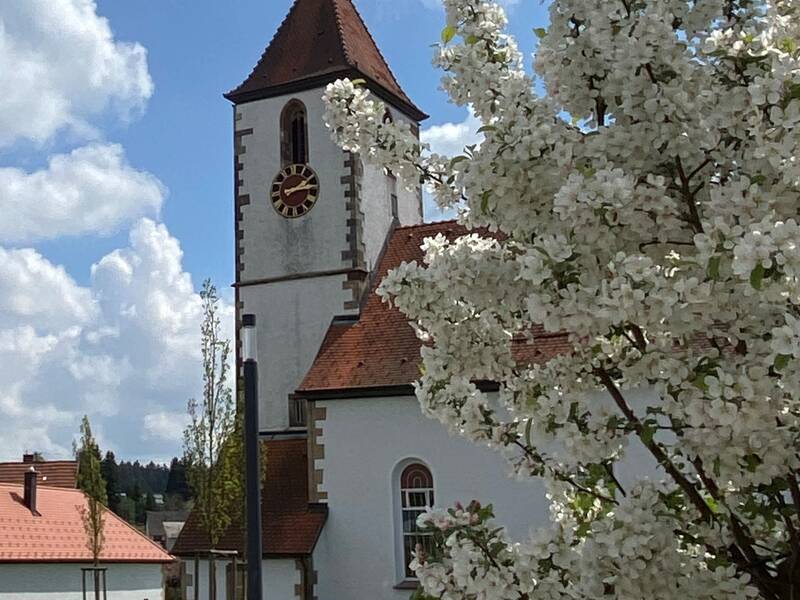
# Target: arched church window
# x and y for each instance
(416, 491)
(294, 134)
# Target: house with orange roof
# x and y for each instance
(44, 548)
(52, 473)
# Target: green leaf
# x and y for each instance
(358, 82)
(485, 202)
(788, 45)
(752, 461)
(457, 159)
(540, 32)
(781, 361)
(486, 128)
(757, 276)
(648, 432)
(448, 33)
(713, 267)
(700, 382)
(473, 39)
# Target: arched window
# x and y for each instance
(416, 495)
(294, 134)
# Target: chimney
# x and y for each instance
(28, 458)
(30, 490)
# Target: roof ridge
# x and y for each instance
(43, 462)
(40, 485)
(340, 31)
(137, 532)
(369, 34)
(428, 224)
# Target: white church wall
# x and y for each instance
(377, 207)
(292, 319)
(409, 201)
(376, 190)
(273, 245)
(42, 581)
(359, 553)
(279, 576)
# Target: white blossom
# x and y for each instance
(644, 210)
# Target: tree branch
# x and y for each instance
(658, 453)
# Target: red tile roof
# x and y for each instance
(52, 473)
(381, 350)
(319, 41)
(57, 534)
(290, 525)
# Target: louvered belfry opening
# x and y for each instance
(294, 134)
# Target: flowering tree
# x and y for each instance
(659, 228)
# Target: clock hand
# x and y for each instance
(298, 188)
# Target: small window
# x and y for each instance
(416, 496)
(297, 411)
(294, 134)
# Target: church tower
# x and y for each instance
(311, 220)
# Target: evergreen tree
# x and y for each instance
(176, 482)
(110, 472)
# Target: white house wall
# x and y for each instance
(279, 578)
(365, 440)
(44, 581)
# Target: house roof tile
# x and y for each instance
(318, 42)
(290, 525)
(57, 534)
(52, 473)
(380, 349)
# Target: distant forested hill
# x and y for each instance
(147, 479)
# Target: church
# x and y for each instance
(351, 461)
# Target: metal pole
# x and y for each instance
(253, 458)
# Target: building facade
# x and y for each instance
(44, 550)
(351, 461)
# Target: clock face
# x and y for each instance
(295, 190)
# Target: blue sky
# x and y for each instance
(115, 189)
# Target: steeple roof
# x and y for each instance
(318, 42)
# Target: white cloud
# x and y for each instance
(450, 139)
(90, 190)
(60, 66)
(124, 349)
(167, 426)
(36, 293)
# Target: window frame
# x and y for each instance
(287, 124)
(402, 505)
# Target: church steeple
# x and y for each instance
(319, 42)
